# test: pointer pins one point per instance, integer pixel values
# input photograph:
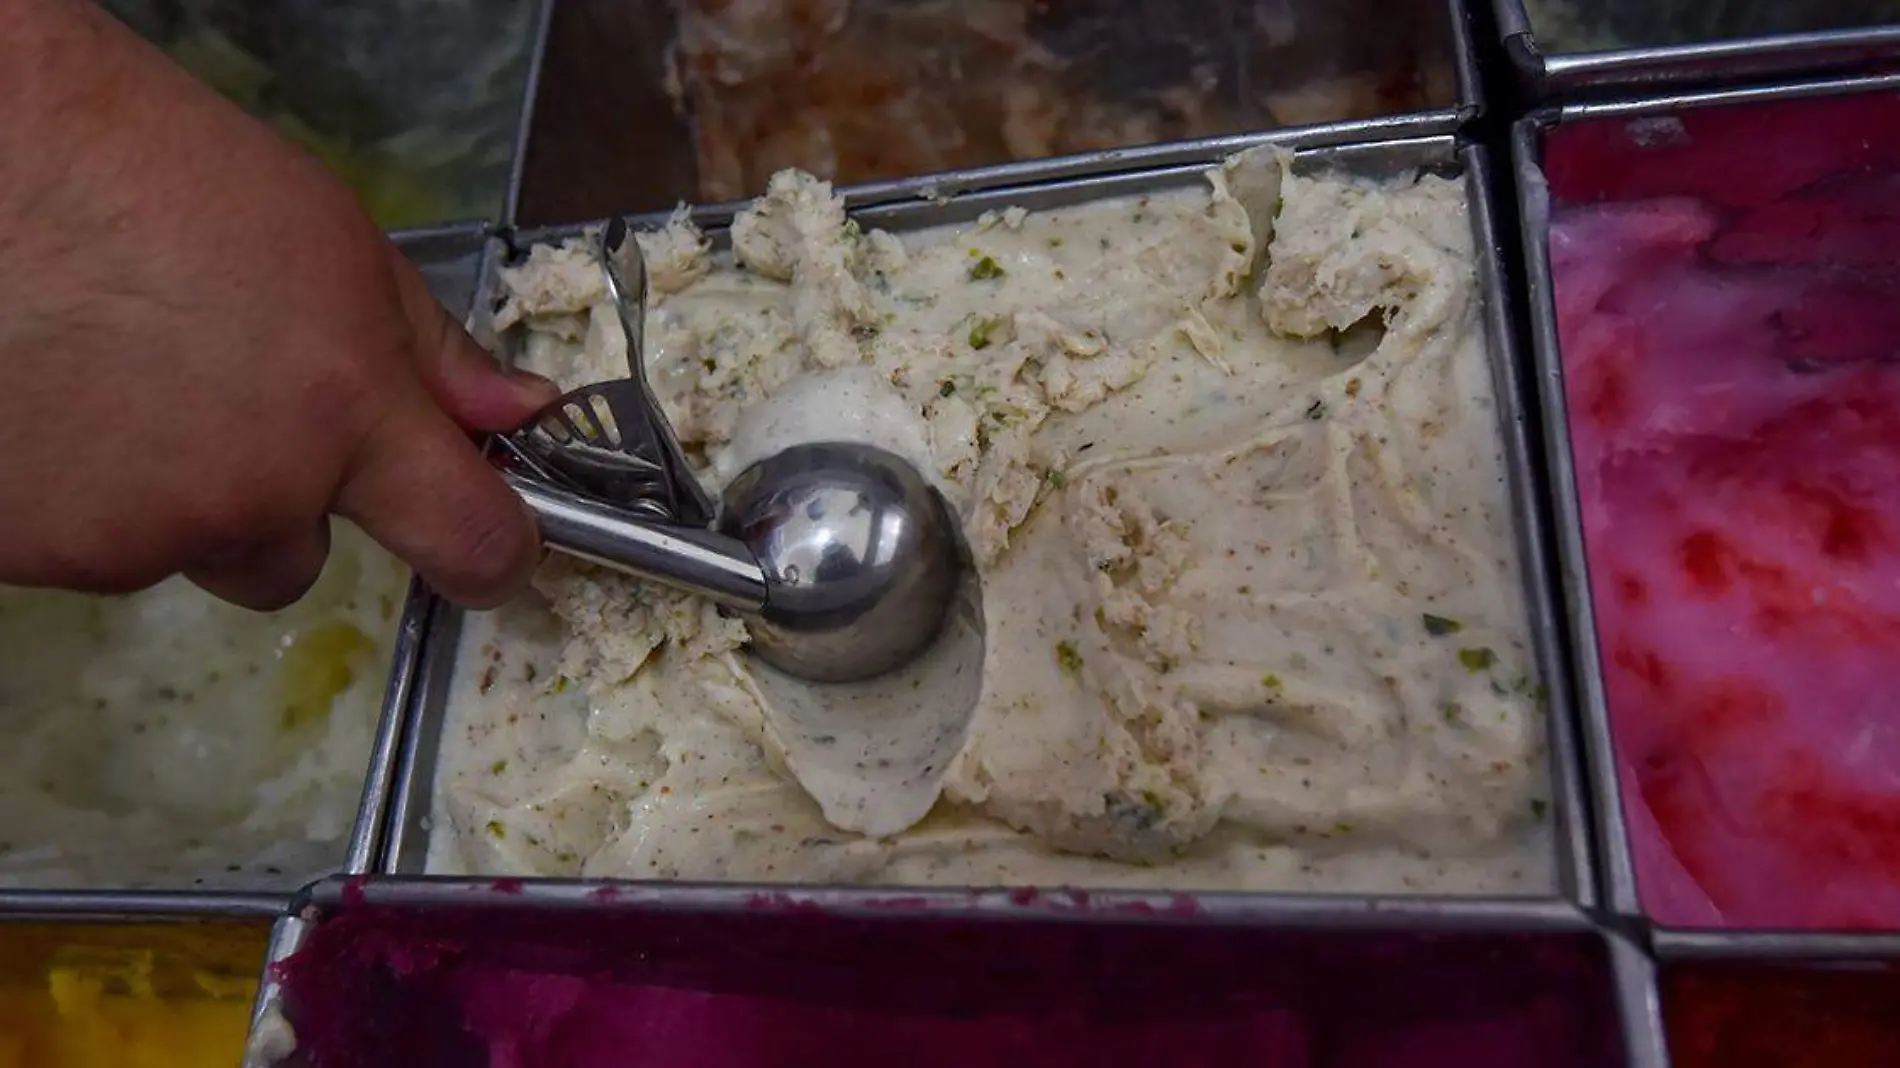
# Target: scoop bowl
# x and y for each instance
(860, 556)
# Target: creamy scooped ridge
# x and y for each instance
(1229, 465)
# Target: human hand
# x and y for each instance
(208, 348)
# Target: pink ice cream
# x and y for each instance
(1728, 297)
(384, 987)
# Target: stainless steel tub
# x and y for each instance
(608, 135)
(407, 833)
(825, 947)
(1620, 890)
(1572, 48)
(1774, 993)
(128, 992)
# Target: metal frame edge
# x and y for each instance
(1784, 89)
(902, 904)
(1617, 866)
(1543, 600)
(1519, 44)
(366, 836)
(1639, 1002)
(524, 121)
(1720, 62)
(1471, 103)
(1769, 947)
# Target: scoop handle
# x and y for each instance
(698, 561)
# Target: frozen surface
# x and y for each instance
(517, 988)
(1728, 295)
(167, 739)
(1228, 460)
(89, 995)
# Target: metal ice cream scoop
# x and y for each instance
(846, 561)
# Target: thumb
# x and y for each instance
(422, 489)
(463, 378)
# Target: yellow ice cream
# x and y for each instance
(126, 995)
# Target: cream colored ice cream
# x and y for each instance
(1563, 26)
(1228, 460)
(169, 739)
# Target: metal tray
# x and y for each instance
(1619, 889)
(407, 834)
(1817, 960)
(648, 165)
(450, 258)
(1676, 45)
(524, 119)
(700, 919)
(140, 981)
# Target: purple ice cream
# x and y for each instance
(513, 987)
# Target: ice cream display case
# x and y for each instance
(1712, 281)
(1569, 49)
(1395, 650)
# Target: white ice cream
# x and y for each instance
(167, 739)
(849, 404)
